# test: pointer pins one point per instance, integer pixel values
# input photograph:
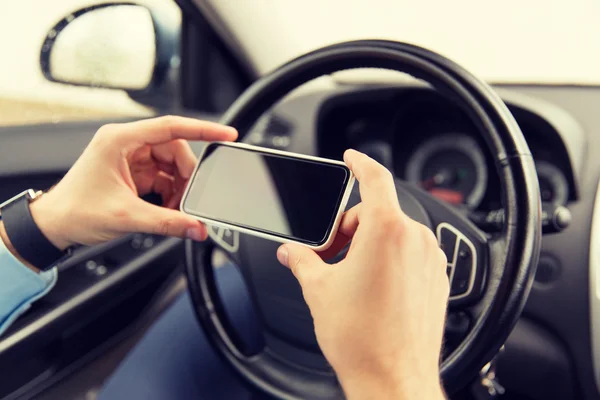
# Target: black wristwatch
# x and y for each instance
(24, 234)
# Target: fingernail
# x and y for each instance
(348, 153)
(195, 234)
(187, 172)
(282, 255)
(233, 131)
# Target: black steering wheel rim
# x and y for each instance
(520, 239)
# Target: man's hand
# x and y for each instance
(98, 199)
(379, 313)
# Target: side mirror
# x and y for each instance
(118, 46)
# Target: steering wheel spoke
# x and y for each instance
(465, 245)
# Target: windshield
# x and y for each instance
(27, 97)
(531, 42)
(511, 41)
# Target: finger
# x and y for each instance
(176, 152)
(157, 220)
(350, 221)
(174, 201)
(166, 168)
(345, 232)
(164, 185)
(179, 186)
(142, 179)
(299, 259)
(376, 182)
(164, 129)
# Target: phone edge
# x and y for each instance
(343, 203)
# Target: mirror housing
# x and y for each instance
(116, 46)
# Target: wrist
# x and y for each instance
(50, 220)
(420, 391)
(380, 387)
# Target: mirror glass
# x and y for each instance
(113, 46)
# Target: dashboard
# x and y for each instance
(425, 139)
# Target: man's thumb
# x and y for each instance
(298, 258)
(167, 222)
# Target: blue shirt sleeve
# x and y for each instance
(20, 286)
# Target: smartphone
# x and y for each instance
(277, 195)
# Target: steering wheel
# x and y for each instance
(491, 276)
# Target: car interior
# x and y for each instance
(503, 174)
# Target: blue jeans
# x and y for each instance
(174, 359)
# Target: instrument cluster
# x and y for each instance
(433, 144)
(453, 167)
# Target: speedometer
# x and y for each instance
(451, 167)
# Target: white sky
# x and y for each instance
(554, 41)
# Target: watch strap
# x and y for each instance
(26, 237)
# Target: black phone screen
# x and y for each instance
(281, 195)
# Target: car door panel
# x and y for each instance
(101, 290)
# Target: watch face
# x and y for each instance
(29, 193)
